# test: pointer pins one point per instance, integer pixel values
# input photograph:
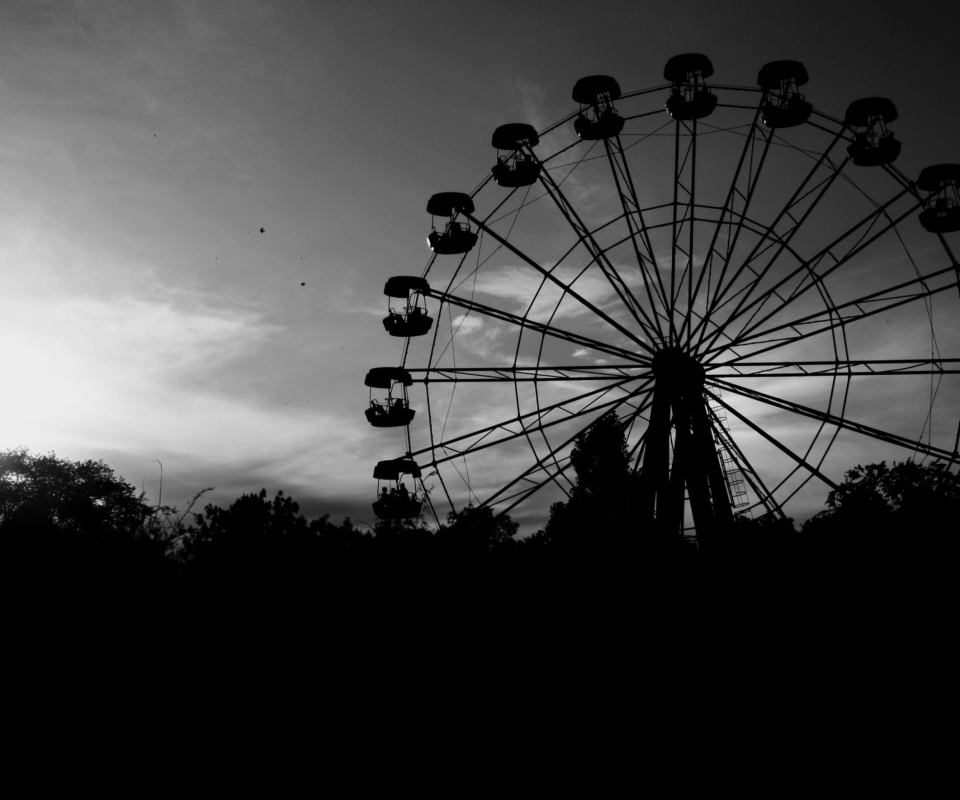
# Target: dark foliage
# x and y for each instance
(49, 495)
(80, 544)
(884, 521)
(77, 540)
(877, 499)
(601, 519)
(602, 501)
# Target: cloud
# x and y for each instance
(466, 325)
(132, 338)
(532, 103)
(129, 380)
(128, 374)
(521, 286)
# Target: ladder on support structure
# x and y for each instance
(736, 486)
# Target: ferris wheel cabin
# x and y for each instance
(873, 145)
(598, 119)
(393, 410)
(783, 106)
(517, 167)
(395, 502)
(413, 320)
(456, 237)
(689, 98)
(941, 212)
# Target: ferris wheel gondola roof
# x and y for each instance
(860, 112)
(932, 178)
(771, 75)
(586, 90)
(514, 134)
(393, 469)
(446, 204)
(402, 285)
(679, 67)
(385, 377)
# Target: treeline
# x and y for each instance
(79, 544)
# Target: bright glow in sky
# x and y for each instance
(145, 144)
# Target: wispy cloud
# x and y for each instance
(523, 288)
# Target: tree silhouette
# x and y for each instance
(877, 508)
(251, 530)
(80, 544)
(76, 538)
(46, 493)
(884, 550)
(600, 516)
(478, 531)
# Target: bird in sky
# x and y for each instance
(262, 230)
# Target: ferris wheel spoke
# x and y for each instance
(742, 463)
(540, 469)
(809, 277)
(536, 327)
(721, 332)
(799, 196)
(769, 502)
(529, 422)
(840, 368)
(832, 318)
(832, 419)
(688, 269)
(671, 304)
(760, 250)
(776, 443)
(746, 196)
(530, 485)
(514, 374)
(599, 257)
(816, 281)
(623, 179)
(684, 179)
(559, 152)
(725, 212)
(710, 315)
(564, 287)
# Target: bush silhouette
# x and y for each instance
(79, 543)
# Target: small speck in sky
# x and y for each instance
(303, 284)
(262, 230)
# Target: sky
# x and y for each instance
(145, 144)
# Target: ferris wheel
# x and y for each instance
(750, 284)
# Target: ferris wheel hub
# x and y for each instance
(673, 367)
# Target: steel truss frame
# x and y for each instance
(732, 290)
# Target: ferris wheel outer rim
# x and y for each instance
(484, 183)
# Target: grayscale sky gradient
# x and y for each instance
(144, 144)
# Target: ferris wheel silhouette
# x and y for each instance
(749, 283)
